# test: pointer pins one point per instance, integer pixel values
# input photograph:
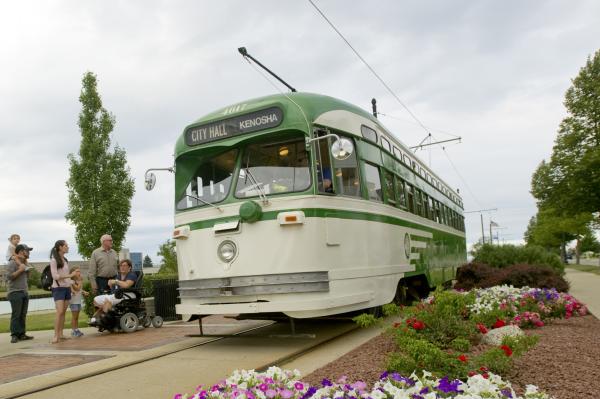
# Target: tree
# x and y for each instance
(100, 186)
(147, 262)
(168, 264)
(589, 242)
(570, 181)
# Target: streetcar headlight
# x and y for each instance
(227, 251)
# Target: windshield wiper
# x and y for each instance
(261, 192)
(204, 202)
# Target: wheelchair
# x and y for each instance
(129, 314)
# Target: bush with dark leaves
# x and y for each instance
(479, 275)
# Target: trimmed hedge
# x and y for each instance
(479, 275)
(507, 255)
(149, 278)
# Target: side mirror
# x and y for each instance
(342, 149)
(150, 181)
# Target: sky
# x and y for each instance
(492, 72)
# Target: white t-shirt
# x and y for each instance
(9, 251)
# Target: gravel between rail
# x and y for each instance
(565, 363)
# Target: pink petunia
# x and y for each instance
(299, 386)
(270, 393)
(286, 393)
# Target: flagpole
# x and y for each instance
(491, 237)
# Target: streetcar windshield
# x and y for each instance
(273, 168)
(211, 181)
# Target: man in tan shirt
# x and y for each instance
(103, 265)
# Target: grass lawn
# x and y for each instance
(585, 268)
(42, 321)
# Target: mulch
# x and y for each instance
(564, 364)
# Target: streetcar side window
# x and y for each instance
(410, 198)
(369, 133)
(390, 192)
(211, 181)
(386, 144)
(373, 182)
(418, 202)
(400, 193)
(273, 168)
(425, 205)
(432, 209)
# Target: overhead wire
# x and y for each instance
(369, 66)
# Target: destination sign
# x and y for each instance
(252, 122)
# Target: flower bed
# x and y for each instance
(285, 384)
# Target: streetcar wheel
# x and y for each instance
(129, 322)
(157, 322)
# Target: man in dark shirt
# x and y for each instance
(17, 273)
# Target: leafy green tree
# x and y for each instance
(147, 262)
(589, 242)
(570, 181)
(100, 186)
(168, 264)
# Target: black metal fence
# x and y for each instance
(165, 299)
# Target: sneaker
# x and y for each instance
(74, 333)
(14, 339)
(25, 337)
(79, 333)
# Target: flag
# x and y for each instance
(493, 224)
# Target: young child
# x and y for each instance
(13, 240)
(76, 295)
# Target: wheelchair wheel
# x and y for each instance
(129, 322)
(157, 322)
(147, 321)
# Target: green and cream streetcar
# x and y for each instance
(306, 205)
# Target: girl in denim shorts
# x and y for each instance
(76, 294)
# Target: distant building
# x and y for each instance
(136, 259)
(124, 254)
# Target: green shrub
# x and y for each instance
(495, 360)
(506, 255)
(366, 320)
(391, 309)
(88, 301)
(460, 345)
(34, 279)
(522, 344)
(418, 354)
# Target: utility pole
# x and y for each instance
(481, 214)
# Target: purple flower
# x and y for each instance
(416, 396)
(270, 393)
(506, 392)
(383, 375)
(446, 386)
(310, 392)
(326, 383)
(263, 387)
(286, 394)
(178, 396)
(424, 390)
(359, 385)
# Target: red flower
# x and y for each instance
(418, 325)
(482, 328)
(485, 375)
(499, 323)
(463, 358)
(472, 373)
(507, 350)
(483, 368)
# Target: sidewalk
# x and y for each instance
(586, 288)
